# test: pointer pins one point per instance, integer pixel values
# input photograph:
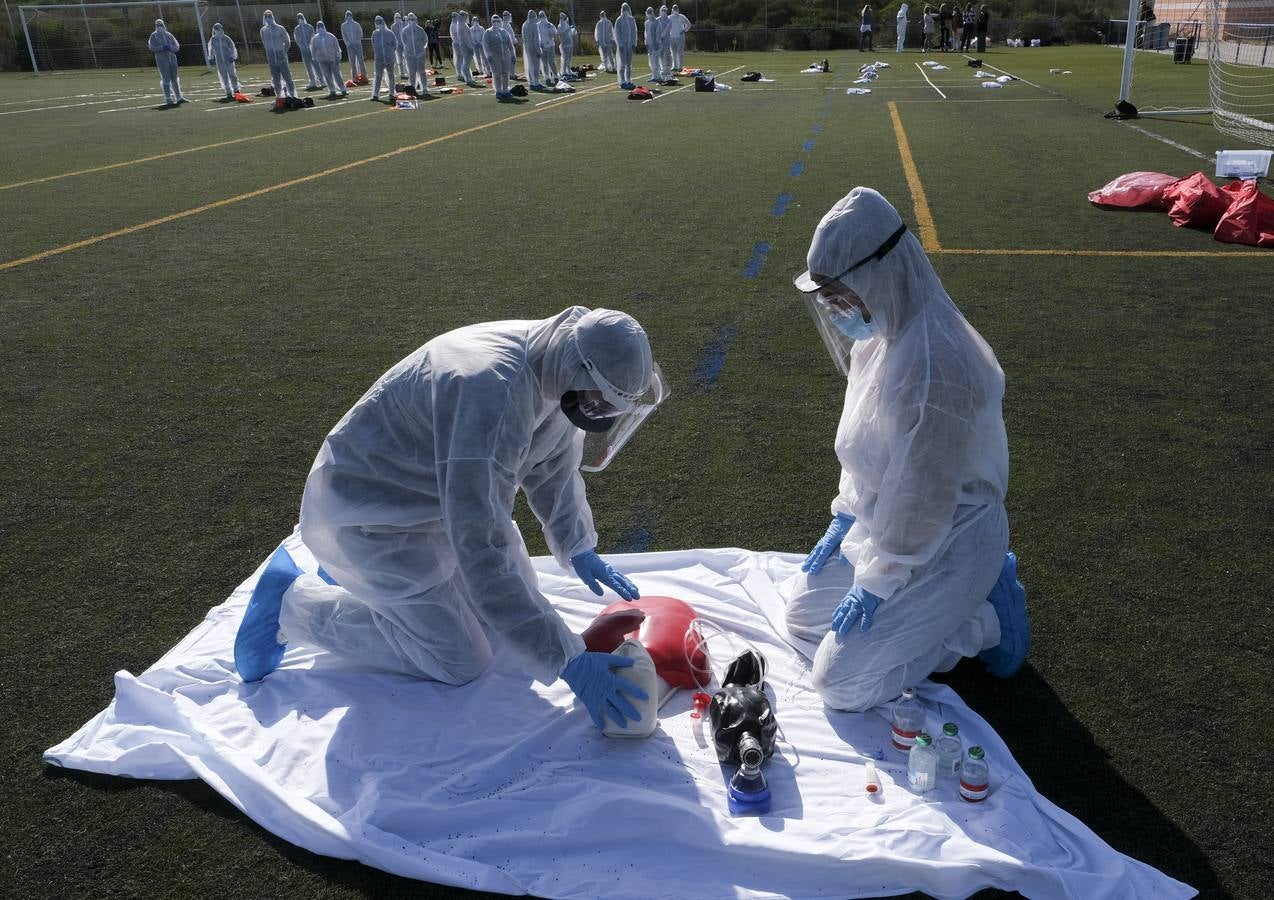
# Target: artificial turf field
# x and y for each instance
(244, 276)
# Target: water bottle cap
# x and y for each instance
(951, 728)
(923, 740)
(908, 693)
(976, 753)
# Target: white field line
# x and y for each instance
(131, 95)
(1137, 128)
(1007, 100)
(68, 97)
(931, 84)
(269, 101)
(691, 84)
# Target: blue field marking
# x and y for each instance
(633, 540)
(780, 205)
(797, 168)
(817, 129)
(712, 360)
(757, 262)
(808, 145)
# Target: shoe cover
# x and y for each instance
(1009, 599)
(256, 648)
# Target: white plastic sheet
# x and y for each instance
(504, 785)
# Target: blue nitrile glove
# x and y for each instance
(829, 544)
(593, 679)
(592, 569)
(858, 602)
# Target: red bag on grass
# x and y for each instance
(1136, 190)
(1195, 202)
(1250, 218)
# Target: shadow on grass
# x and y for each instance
(1070, 769)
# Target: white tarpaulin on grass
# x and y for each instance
(505, 785)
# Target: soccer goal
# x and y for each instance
(1166, 47)
(110, 35)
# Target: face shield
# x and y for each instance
(837, 326)
(624, 414)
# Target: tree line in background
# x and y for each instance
(719, 25)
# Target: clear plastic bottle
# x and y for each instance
(922, 764)
(908, 720)
(975, 776)
(950, 748)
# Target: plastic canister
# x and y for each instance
(642, 674)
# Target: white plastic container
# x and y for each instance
(642, 674)
(1243, 163)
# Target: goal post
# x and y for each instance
(1165, 46)
(81, 35)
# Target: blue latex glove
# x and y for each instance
(593, 679)
(829, 544)
(592, 569)
(858, 602)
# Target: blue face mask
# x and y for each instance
(853, 325)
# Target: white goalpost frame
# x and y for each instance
(1125, 82)
(196, 7)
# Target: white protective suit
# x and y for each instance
(924, 461)
(163, 43)
(902, 28)
(476, 34)
(415, 45)
(326, 52)
(625, 45)
(352, 33)
(566, 41)
(498, 42)
(604, 35)
(513, 41)
(223, 54)
(531, 49)
(302, 34)
(400, 61)
(275, 41)
(384, 58)
(409, 504)
(464, 40)
(665, 42)
(653, 54)
(680, 25)
(548, 48)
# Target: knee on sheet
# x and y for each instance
(843, 688)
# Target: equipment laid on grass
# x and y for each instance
(479, 786)
(1237, 213)
(109, 35)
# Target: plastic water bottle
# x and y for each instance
(950, 749)
(975, 776)
(908, 720)
(922, 764)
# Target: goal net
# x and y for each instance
(1201, 57)
(1241, 69)
(110, 35)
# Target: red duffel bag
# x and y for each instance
(1136, 190)
(1250, 218)
(1195, 202)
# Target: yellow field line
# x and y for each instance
(217, 204)
(172, 153)
(1161, 253)
(924, 219)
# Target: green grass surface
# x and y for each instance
(165, 392)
